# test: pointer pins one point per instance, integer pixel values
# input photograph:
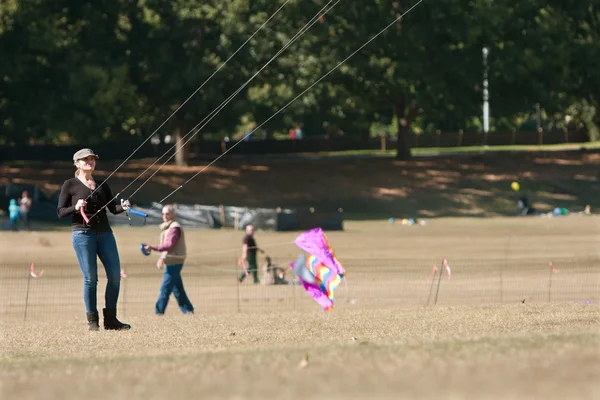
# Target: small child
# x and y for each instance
(525, 208)
(13, 215)
(272, 274)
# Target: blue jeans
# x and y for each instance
(12, 224)
(172, 283)
(25, 218)
(89, 245)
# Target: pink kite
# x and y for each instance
(320, 273)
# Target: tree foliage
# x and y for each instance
(113, 70)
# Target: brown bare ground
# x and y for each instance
(504, 326)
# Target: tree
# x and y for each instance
(583, 19)
(64, 73)
(428, 61)
(116, 70)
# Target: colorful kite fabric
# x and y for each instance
(321, 273)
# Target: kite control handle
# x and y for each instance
(130, 210)
(85, 217)
(138, 213)
(143, 250)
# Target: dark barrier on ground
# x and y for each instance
(122, 150)
(106, 151)
(197, 216)
(215, 217)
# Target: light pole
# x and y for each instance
(486, 95)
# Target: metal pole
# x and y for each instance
(27, 297)
(431, 287)
(238, 288)
(292, 273)
(551, 265)
(438, 284)
(502, 267)
(124, 298)
(486, 105)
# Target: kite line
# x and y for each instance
(293, 100)
(190, 97)
(204, 122)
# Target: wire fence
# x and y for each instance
(213, 286)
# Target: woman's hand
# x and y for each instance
(80, 203)
(125, 204)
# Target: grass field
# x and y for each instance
(504, 326)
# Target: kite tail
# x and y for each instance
(320, 297)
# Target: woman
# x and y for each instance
(94, 239)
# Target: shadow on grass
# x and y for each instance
(365, 188)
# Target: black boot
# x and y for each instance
(93, 321)
(111, 322)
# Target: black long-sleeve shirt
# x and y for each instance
(73, 190)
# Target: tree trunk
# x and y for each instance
(403, 144)
(594, 128)
(365, 130)
(181, 150)
(405, 119)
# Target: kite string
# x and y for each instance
(239, 249)
(189, 98)
(303, 30)
(230, 250)
(293, 100)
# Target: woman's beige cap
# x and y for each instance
(83, 153)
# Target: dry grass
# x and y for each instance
(479, 342)
(515, 351)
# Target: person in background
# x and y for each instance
(273, 274)
(13, 216)
(173, 253)
(299, 133)
(25, 206)
(248, 258)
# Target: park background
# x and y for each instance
(432, 122)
